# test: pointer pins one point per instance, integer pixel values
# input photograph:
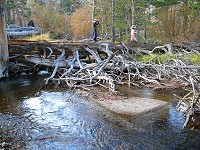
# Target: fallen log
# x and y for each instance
(45, 61)
(14, 32)
(106, 64)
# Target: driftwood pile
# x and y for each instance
(83, 64)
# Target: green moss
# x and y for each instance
(194, 58)
(156, 58)
(165, 58)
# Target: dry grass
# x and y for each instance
(41, 37)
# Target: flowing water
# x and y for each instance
(59, 120)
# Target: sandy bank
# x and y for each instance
(120, 104)
(133, 106)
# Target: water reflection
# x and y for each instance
(54, 109)
(64, 121)
(176, 119)
(68, 122)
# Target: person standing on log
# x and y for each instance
(95, 24)
(134, 34)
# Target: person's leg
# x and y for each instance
(95, 35)
(132, 38)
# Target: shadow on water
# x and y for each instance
(61, 120)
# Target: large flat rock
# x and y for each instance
(133, 106)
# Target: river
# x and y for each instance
(57, 119)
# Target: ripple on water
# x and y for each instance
(61, 120)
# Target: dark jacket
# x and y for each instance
(95, 24)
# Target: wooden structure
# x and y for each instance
(4, 56)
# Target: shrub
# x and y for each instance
(81, 23)
(49, 20)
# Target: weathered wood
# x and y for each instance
(15, 31)
(4, 56)
(45, 62)
(189, 104)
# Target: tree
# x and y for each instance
(4, 57)
(173, 20)
(81, 24)
(66, 6)
(9, 9)
(18, 12)
(195, 6)
(110, 13)
(48, 19)
(113, 20)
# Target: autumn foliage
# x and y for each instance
(167, 23)
(78, 24)
(49, 20)
(81, 23)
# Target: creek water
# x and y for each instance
(60, 120)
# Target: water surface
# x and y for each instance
(58, 119)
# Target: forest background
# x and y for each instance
(156, 20)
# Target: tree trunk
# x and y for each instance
(132, 12)
(18, 14)
(93, 7)
(113, 20)
(102, 20)
(4, 57)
